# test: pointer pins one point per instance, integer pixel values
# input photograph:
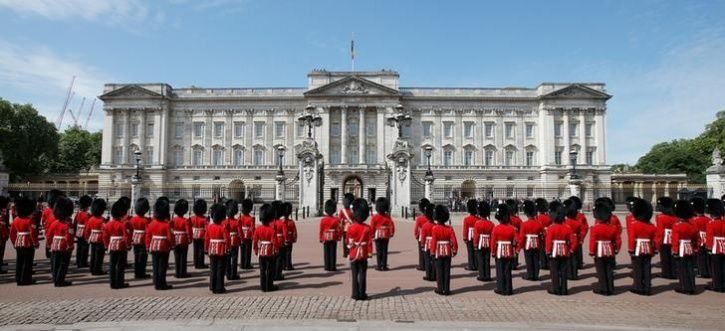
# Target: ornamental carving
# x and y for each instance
(354, 87)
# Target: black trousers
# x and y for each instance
(558, 268)
(717, 262)
(504, 283)
(532, 263)
(2, 252)
(345, 249)
(543, 260)
(686, 273)
(329, 251)
(267, 272)
(232, 269)
(421, 257)
(666, 261)
(605, 274)
(443, 274)
(288, 257)
(60, 262)
(703, 263)
(483, 262)
(246, 251)
(471, 255)
(98, 252)
(81, 253)
(24, 265)
(140, 259)
(198, 253)
(642, 274)
(160, 264)
(429, 267)
(580, 254)
(217, 273)
(359, 270)
(279, 263)
(181, 254)
(381, 252)
(117, 268)
(572, 269)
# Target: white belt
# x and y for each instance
(158, 237)
(216, 241)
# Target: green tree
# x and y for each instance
(28, 142)
(78, 149)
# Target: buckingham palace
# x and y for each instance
(477, 142)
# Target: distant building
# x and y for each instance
(647, 186)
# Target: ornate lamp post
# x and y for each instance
(399, 120)
(279, 191)
(574, 181)
(136, 179)
(428, 173)
(309, 119)
(573, 153)
(309, 158)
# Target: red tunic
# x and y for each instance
(345, 216)
(181, 228)
(561, 233)
(60, 236)
(383, 226)
(329, 229)
(642, 231)
(47, 218)
(664, 222)
(264, 241)
(502, 240)
(544, 219)
(94, 230)
(443, 241)
(684, 233)
(139, 225)
(216, 240)
(530, 234)
(79, 222)
(516, 222)
(468, 223)
(419, 221)
(280, 229)
(115, 236)
(425, 233)
(198, 227)
(616, 223)
(360, 241)
(701, 222)
(291, 231)
(629, 219)
(604, 240)
(232, 226)
(584, 229)
(482, 233)
(246, 226)
(159, 237)
(576, 227)
(716, 236)
(18, 230)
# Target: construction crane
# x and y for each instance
(90, 112)
(59, 121)
(80, 111)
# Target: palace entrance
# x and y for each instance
(352, 184)
(468, 189)
(237, 190)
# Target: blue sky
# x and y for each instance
(664, 61)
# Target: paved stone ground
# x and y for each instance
(309, 293)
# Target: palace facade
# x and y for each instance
(486, 142)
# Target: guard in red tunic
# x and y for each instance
(542, 208)
(700, 221)
(246, 230)
(79, 222)
(280, 228)
(4, 230)
(715, 236)
(139, 223)
(516, 222)
(199, 221)
(216, 239)
(291, 236)
(531, 237)
(384, 229)
(419, 221)
(641, 236)
(561, 243)
(468, 232)
(235, 240)
(445, 245)
(665, 220)
(265, 247)
(685, 243)
(117, 240)
(47, 219)
(359, 241)
(425, 233)
(604, 244)
(576, 226)
(345, 216)
(329, 235)
(181, 228)
(60, 235)
(583, 230)
(159, 240)
(503, 241)
(482, 241)
(93, 234)
(24, 237)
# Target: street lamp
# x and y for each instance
(573, 153)
(280, 154)
(310, 120)
(400, 119)
(428, 154)
(137, 156)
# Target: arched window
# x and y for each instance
(469, 155)
(258, 155)
(530, 156)
(448, 152)
(510, 156)
(217, 155)
(489, 155)
(238, 155)
(197, 155)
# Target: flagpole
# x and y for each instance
(352, 50)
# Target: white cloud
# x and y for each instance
(110, 11)
(33, 74)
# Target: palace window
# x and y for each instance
(238, 157)
(509, 159)
(150, 130)
(352, 156)
(198, 157)
(370, 127)
(149, 155)
(335, 129)
(118, 155)
(588, 129)
(119, 130)
(468, 129)
(372, 155)
(238, 129)
(178, 158)
(217, 157)
(529, 130)
(259, 129)
(468, 157)
(427, 129)
(448, 129)
(573, 129)
(509, 130)
(279, 128)
(529, 158)
(134, 130)
(198, 129)
(557, 129)
(218, 129)
(489, 129)
(335, 156)
(258, 157)
(590, 156)
(489, 157)
(178, 130)
(301, 128)
(447, 157)
(557, 156)
(352, 129)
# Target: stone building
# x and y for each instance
(204, 142)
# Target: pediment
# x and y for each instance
(577, 91)
(130, 92)
(353, 86)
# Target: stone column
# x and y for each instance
(108, 137)
(142, 130)
(654, 192)
(343, 135)
(158, 139)
(380, 139)
(163, 130)
(566, 137)
(126, 134)
(322, 136)
(361, 136)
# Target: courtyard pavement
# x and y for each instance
(311, 298)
